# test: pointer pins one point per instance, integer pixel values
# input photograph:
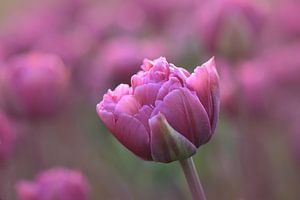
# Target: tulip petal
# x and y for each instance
(143, 116)
(115, 95)
(168, 145)
(199, 82)
(146, 94)
(133, 135)
(128, 130)
(171, 84)
(186, 115)
(106, 116)
(128, 104)
(180, 73)
(205, 82)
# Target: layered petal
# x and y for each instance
(167, 144)
(133, 135)
(129, 130)
(179, 72)
(171, 84)
(106, 116)
(118, 93)
(153, 72)
(167, 113)
(186, 115)
(144, 115)
(146, 94)
(128, 104)
(205, 82)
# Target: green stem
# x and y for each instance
(192, 178)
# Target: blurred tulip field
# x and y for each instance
(59, 57)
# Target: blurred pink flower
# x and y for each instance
(167, 113)
(118, 59)
(255, 85)
(48, 27)
(229, 85)
(160, 13)
(283, 23)
(68, 46)
(115, 17)
(274, 74)
(26, 28)
(55, 184)
(128, 17)
(230, 28)
(34, 84)
(7, 137)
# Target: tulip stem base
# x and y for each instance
(192, 178)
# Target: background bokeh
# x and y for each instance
(255, 152)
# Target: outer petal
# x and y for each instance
(186, 115)
(128, 130)
(107, 117)
(168, 145)
(111, 98)
(205, 82)
(133, 135)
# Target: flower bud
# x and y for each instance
(274, 74)
(230, 28)
(34, 84)
(54, 184)
(167, 113)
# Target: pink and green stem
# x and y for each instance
(192, 178)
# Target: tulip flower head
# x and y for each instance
(167, 113)
(34, 84)
(55, 184)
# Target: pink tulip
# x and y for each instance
(231, 28)
(274, 74)
(7, 137)
(55, 184)
(167, 113)
(67, 46)
(34, 84)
